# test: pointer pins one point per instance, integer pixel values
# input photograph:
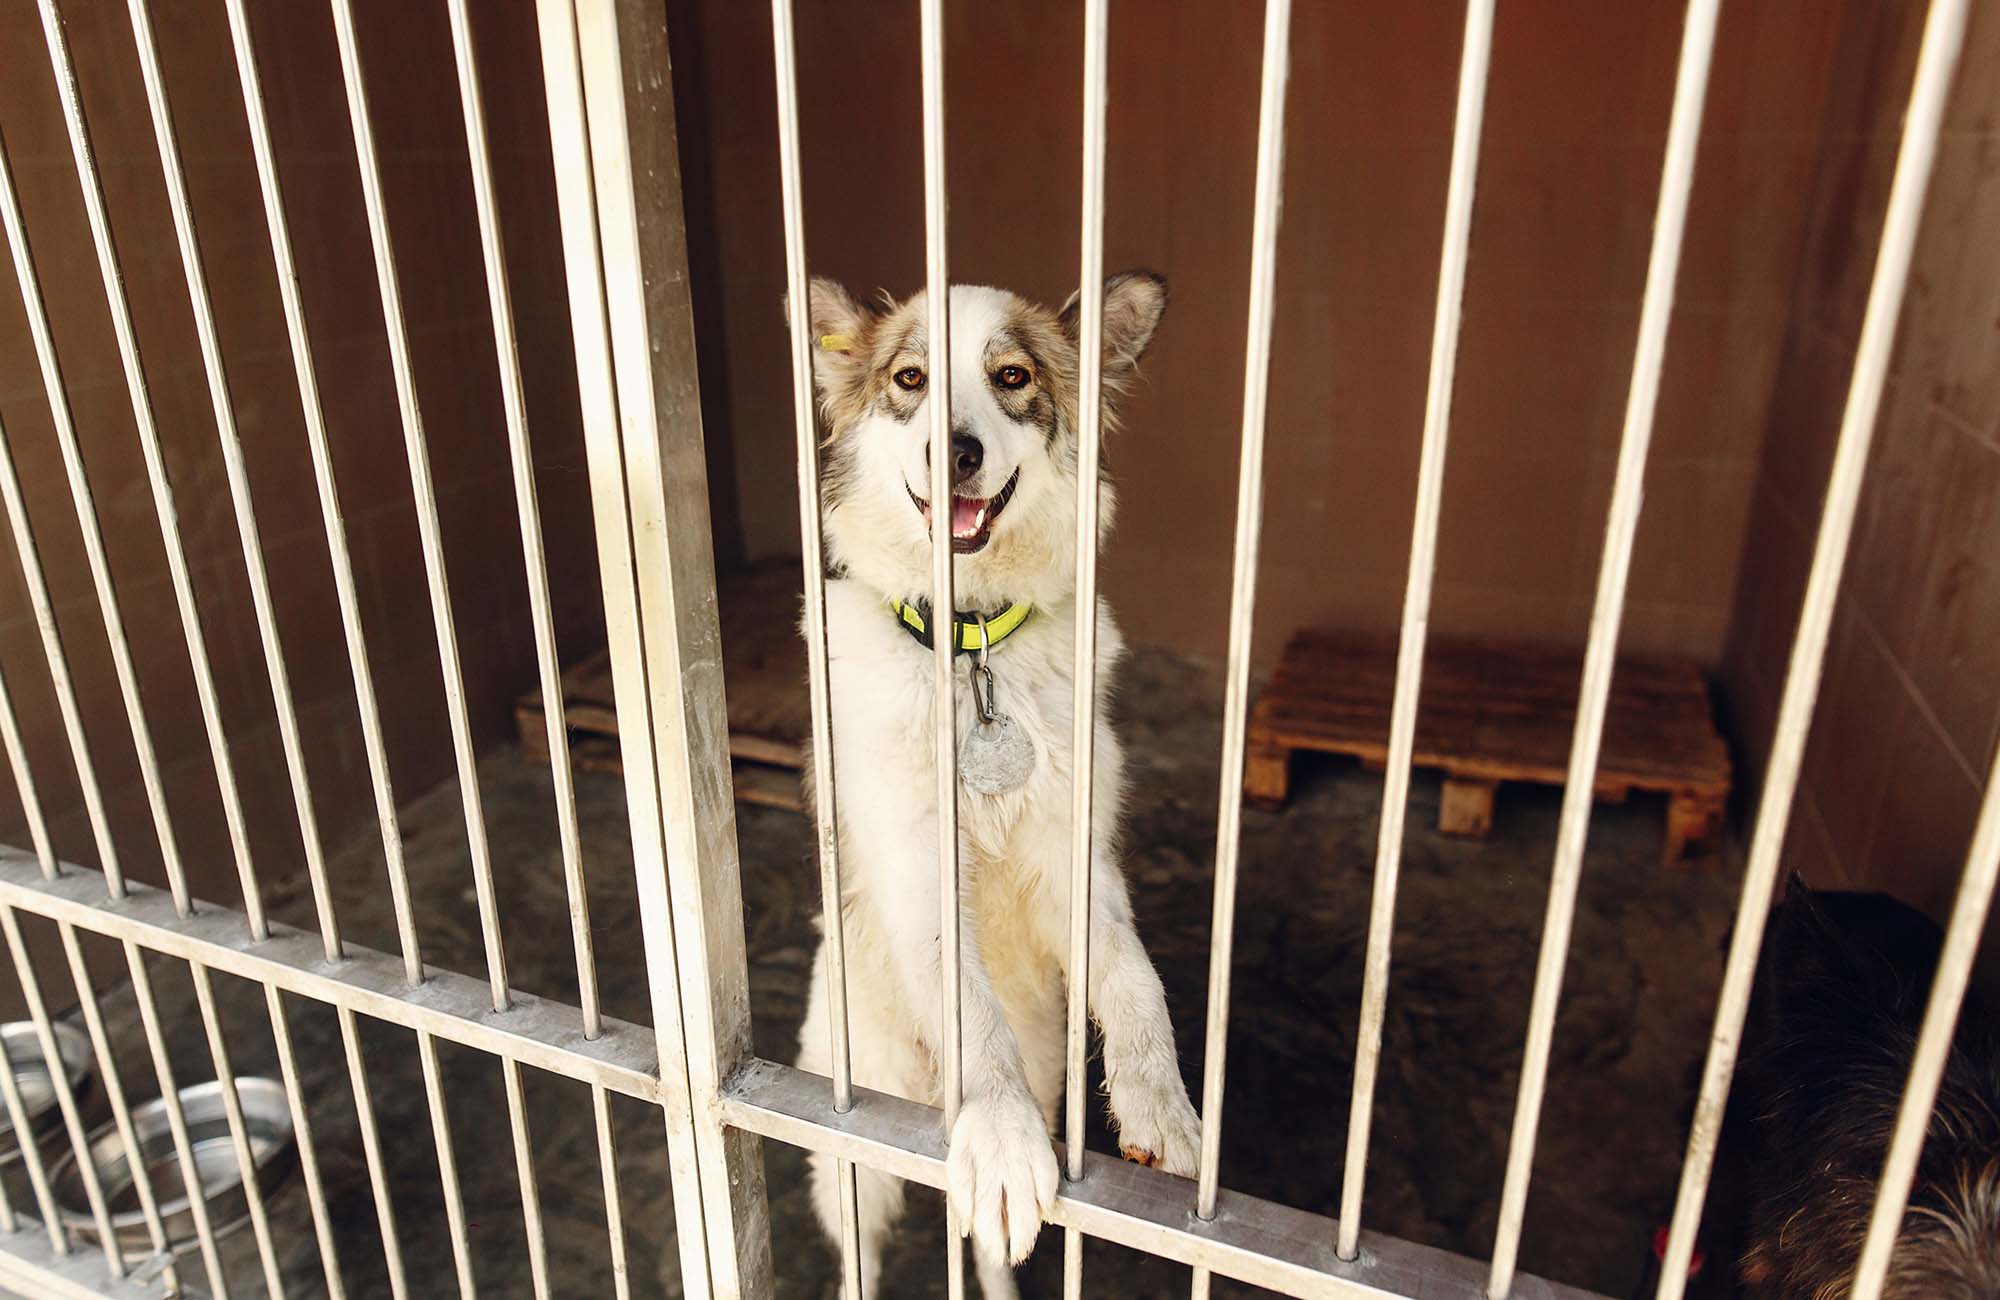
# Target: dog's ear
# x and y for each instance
(842, 330)
(1133, 304)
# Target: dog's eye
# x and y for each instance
(1011, 376)
(909, 379)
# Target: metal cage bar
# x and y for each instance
(345, 594)
(533, 557)
(524, 1172)
(570, 129)
(170, 1102)
(691, 896)
(371, 1150)
(1270, 185)
(547, 1035)
(1943, 39)
(447, 1160)
(239, 1139)
(36, 582)
(1083, 698)
(825, 798)
(288, 1070)
(114, 1092)
(1254, 1241)
(1474, 59)
(81, 499)
(23, 530)
(72, 1116)
(614, 1214)
(1621, 527)
(31, 1155)
(944, 704)
(425, 494)
(1934, 1043)
(238, 478)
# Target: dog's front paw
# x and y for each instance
(1001, 1174)
(1157, 1125)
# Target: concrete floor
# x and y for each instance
(1640, 988)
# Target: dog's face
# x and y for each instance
(1012, 512)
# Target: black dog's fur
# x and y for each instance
(1839, 1000)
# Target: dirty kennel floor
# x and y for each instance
(1640, 986)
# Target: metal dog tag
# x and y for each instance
(996, 757)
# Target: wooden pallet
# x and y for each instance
(764, 671)
(1490, 713)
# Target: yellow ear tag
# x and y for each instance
(837, 342)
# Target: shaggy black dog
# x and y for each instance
(1833, 1024)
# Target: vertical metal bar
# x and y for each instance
(239, 1137)
(425, 498)
(281, 1036)
(1934, 1043)
(692, 914)
(614, 1215)
(1473, 62)
(31, 809)
(17, 763)
(576, 200)
(239, 484)
(1243, 593)
(8, 1223)
(371, 1150)
(114, 1093)
(170, 1101)
(58, 1069)
(1656, 311)
(506, 349)
(329, 498)
(80, 496)
(524, 1169)
(1083, 703)
(944, 630)
(32, 576)
(31, 1154)
(454, 1199)
(1944, 36)
(811, 549)
(23, 530)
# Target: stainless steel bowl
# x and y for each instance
(267, 1121)
(37, 1084)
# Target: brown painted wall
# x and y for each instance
(1910, 703)
(407, 56)
(1575, 129)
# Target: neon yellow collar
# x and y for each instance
(967, 633)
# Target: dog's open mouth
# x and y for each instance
(971, 517)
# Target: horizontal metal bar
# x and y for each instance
(29, 1267)
(1252, 1240)
(459, 1008)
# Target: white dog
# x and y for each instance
(1013, 521)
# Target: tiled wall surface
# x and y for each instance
(1910, 703)
(406, 54)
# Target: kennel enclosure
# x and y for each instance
(612, 123)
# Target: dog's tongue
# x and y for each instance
(968, 514)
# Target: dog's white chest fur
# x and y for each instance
(885, 741)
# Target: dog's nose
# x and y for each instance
(967, 455)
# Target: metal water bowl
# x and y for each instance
(37, 1084)
(267, 1122)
